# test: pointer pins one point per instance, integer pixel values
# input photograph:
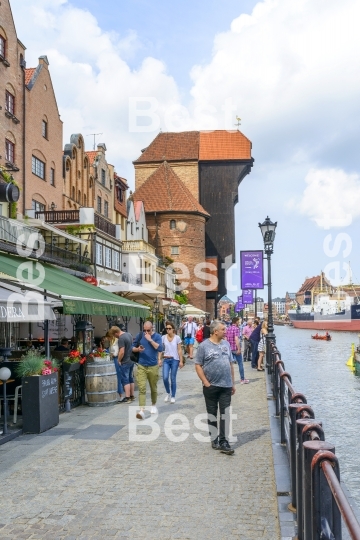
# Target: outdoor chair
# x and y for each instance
(15, 399)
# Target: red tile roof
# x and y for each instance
(224, 145)
(29, 72)
(219, 145)
(172, 147)
(163, 191)
(91, 155)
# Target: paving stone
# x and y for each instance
(86, 480)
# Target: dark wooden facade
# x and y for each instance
(218, 188)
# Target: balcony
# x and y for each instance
(84, 216)
(138, 246)
(11, 230)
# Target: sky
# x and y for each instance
(289, 70)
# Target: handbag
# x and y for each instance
(134, 356)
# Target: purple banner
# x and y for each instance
(238, 307)
(252, 269)
(240, 299)
(248, 296)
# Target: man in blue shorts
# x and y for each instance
(189, 328)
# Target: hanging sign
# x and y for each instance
(252, 269)
(248, 296)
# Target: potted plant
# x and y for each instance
(73, 361)
(100, 356)
(40, 406)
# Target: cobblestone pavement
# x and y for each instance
(84, 479)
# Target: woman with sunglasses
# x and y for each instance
(173, 359)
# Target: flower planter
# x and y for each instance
(101, 360)
(40, 403)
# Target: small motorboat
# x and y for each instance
(325, 337)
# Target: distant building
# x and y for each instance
(224, 307)
(311, 287)
(279, 304)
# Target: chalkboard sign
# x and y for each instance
(68, 389)
(40, 403)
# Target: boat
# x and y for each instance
(325, 337)
(328, 307)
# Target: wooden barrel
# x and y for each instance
(101, 384)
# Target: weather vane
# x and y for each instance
(93, 135)
(238, 121)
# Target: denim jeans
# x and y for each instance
(120, 388)
(126, 372)
(254, 354)
(170, 367)
(239, 359)
(218, 397)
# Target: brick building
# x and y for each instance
(12, 92)
(176, 223)
(43, 141)
(211, 166)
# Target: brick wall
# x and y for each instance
(189, 236)
(187, 171)
(11, 79)
(41, 106)
(78, 175)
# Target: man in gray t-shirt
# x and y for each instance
(214, 365)
(126, 365)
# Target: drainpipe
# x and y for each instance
(24, 124)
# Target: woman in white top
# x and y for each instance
(172, 355)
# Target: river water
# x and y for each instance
(318, 370)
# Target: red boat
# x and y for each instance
(325, 337)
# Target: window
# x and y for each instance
(44, 129)
(142, 232)
(37, 206)
(99, 254)
(73, 193)
(172, 224)
(116, 260)
(106, 209)
(119, 194)
(131, 228)
(174, 250)
(10, 102)
(52, 177)
(85, 200)
(103, 177)
(99, 204)
(2, 47)
(9, 151)
(79, 197)
(108, 257)
(38, 167)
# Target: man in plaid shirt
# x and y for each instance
(233, 337)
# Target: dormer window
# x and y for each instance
(172, 224)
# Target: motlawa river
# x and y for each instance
(318, 370)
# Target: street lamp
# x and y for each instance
(156, 312)
(268, 233)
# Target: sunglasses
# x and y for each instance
(147, 331)
(168, 328)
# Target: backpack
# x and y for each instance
(199, 336)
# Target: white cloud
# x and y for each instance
(331, 198)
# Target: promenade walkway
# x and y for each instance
(84, 479)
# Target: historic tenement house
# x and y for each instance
(43, 141)
(12, 88)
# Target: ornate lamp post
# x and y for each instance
(268, 233)
(156, 311)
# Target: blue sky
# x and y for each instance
(290, 70)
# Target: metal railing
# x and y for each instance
(59, 216)
(104, 225)
(316, 492)
(11, 230)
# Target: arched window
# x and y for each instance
(85, 200)
(79, 197)
(73, 193)
(172, 224)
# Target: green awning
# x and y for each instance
(77, 296)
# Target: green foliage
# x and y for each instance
(33, 363)
(181, 298)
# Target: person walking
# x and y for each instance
(173, 360)
(206, 329)
(262, 345)
(214, 366)
(149, 345)
(246, 333)
(233, 337)
(113, 335)
(190, 328)
(125, 345)
(254, 340)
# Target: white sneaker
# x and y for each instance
(167, 398)
(154, 410)
(140, 415)
(172, 400)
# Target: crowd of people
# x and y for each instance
(219, 345)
